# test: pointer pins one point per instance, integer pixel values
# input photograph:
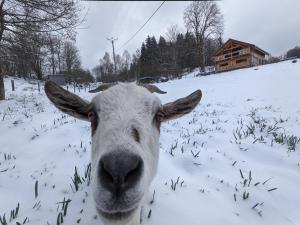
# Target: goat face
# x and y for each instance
(125, 122)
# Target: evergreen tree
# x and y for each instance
(164, 57)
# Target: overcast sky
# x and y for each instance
(273, 25)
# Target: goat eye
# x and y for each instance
(158, 118)
(91, 116)
(135, 134)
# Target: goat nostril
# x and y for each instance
(134, 174)
(105, 174)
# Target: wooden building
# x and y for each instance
(237, 54)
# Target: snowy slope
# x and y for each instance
(234, 160)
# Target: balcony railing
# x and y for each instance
(231, 55)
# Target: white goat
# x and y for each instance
(125, 122)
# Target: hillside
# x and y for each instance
(234, 160)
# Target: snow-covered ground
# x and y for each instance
(234, 160)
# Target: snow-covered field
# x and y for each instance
(234, 160)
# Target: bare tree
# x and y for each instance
(105, 69)
(30, 54)
(36, 16)
(172, 33)
(35, 52)
(70, 57)
(205, 20)
(60, 15)
(126, 59)
(107, 63)
(54, 44)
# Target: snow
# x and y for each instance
(205, 153)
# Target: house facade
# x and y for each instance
(236, 54)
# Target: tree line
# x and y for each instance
(38, 55)
(162, 58)
(37, 38)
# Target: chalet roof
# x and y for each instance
(241, 43)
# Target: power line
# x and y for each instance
(141, 26)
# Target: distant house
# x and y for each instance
(237, 54)
(58, 78)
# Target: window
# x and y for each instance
(240, 61)
(237, 49)
(224, 64)
(235, 53)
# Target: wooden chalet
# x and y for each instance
(237, 54)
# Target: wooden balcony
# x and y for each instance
(232, 55)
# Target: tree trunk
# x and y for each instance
(1, 20)
(53, 65)
(38, 73)
(201, 54)
(2, 90)
(59, 61)
(199, 44)
(37, 70)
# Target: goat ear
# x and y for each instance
(66, 101)
(180, 107)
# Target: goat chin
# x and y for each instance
(133, 219)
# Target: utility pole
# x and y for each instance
(113, 47)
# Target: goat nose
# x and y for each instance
(120, 171)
